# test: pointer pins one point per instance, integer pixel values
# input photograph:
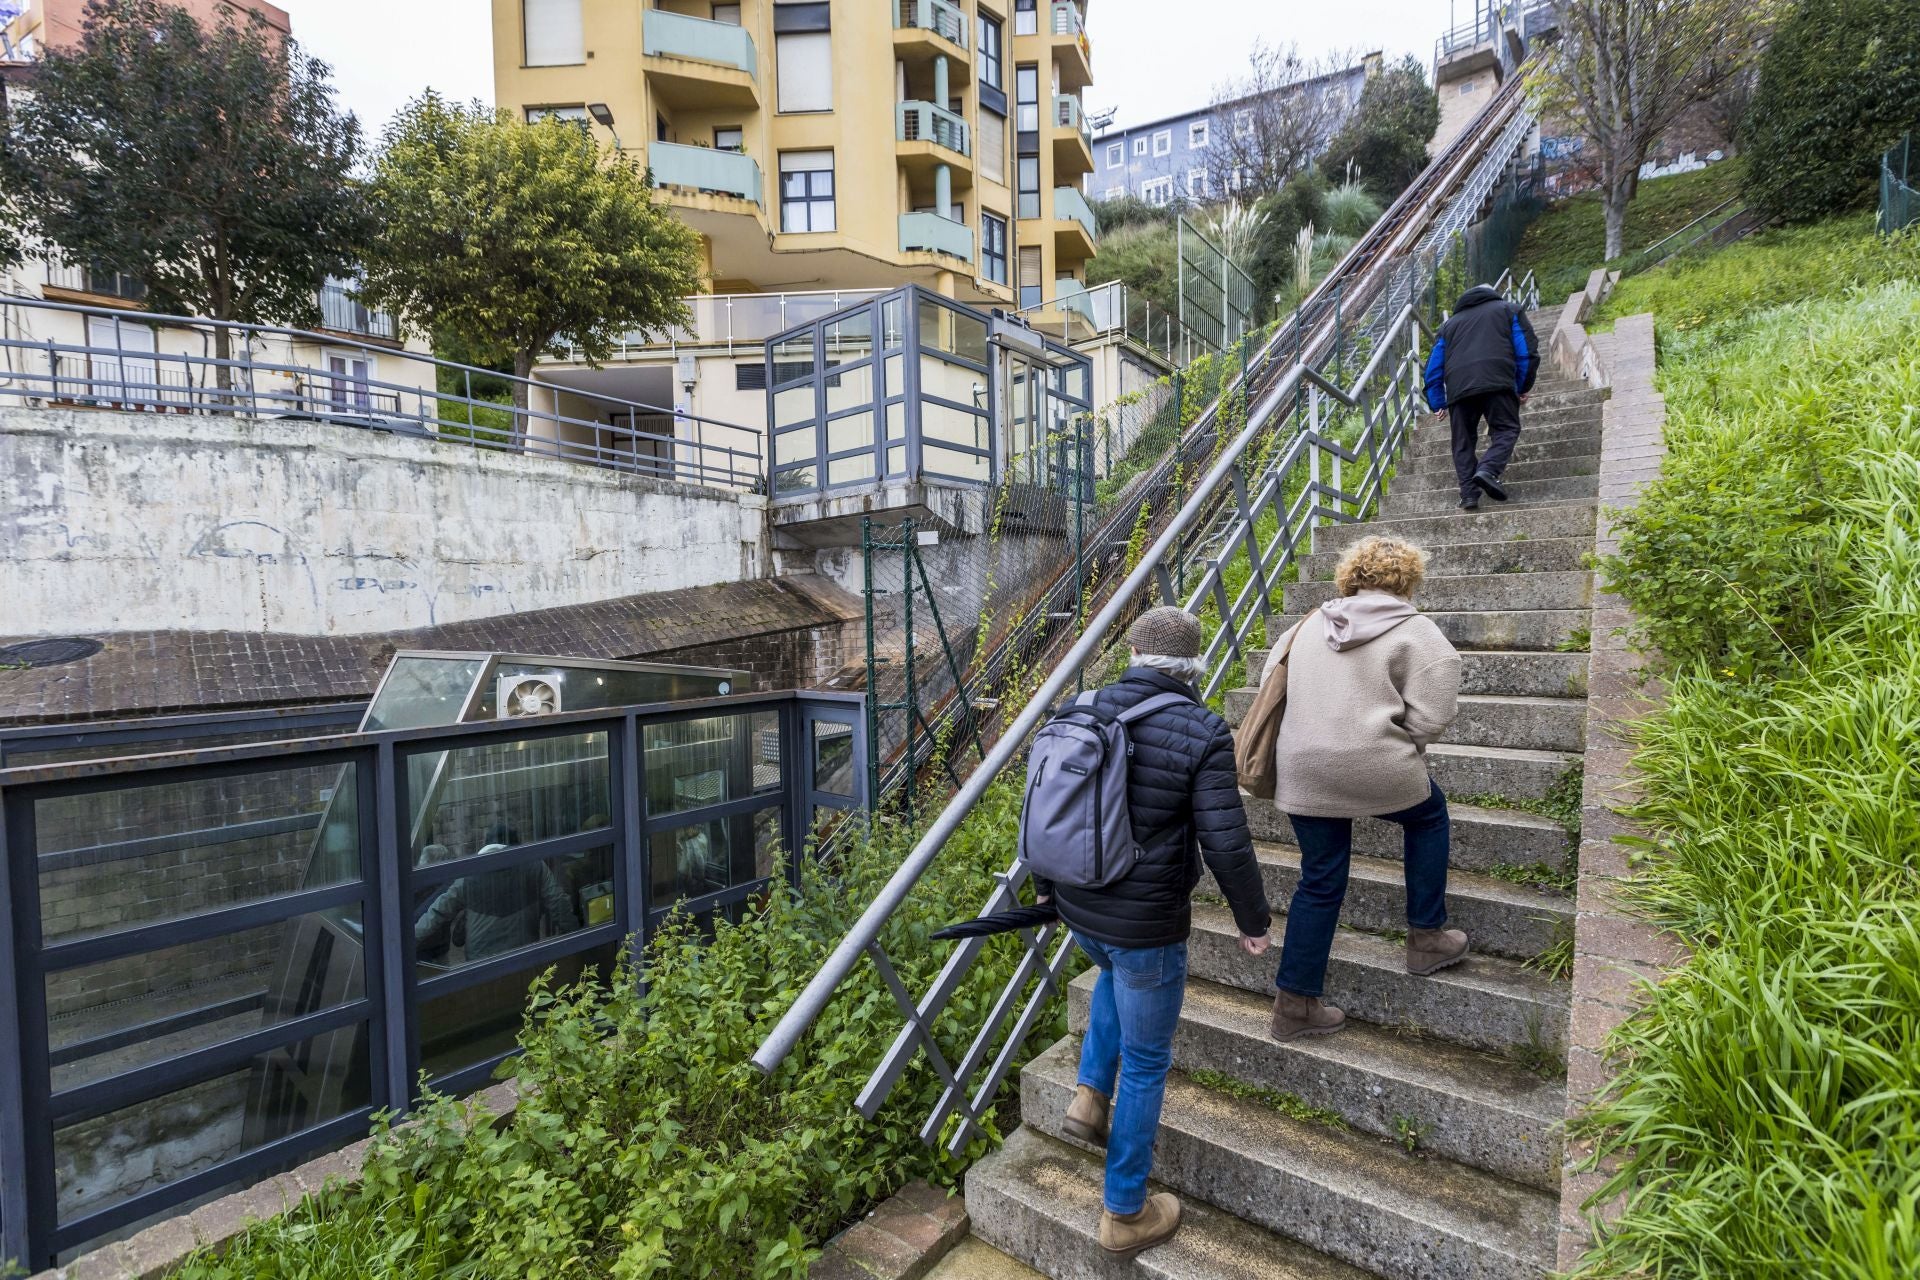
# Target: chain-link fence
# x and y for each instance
(1899, 201)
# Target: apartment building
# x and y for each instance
(821, 151)
(28, 27)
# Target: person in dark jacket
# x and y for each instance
(1183, 798)
(1483, 366)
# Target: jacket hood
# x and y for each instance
(1475, 296)
(1351, 621)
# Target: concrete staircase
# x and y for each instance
(1421, 1141)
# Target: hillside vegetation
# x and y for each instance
(1564, 244)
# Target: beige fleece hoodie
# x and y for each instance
(1371, 683)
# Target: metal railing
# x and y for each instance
(56, 353)
(926, 122)
(937, 16)
(339, 309)
(1899, 200)
(1243, 498)
(1069, 114)
(301, 870)
(1724, 223)
(105, 284)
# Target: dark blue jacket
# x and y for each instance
(1183, 795)
(1486, 345)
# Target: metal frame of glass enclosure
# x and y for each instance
(707, 805)
(912, 386)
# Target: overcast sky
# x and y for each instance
(1151, 58)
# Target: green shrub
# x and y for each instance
(1839, 84)
(645, 1144)
(1350, 211)
(1386, 136)
(1145, 256)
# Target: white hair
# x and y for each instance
(1187, 669)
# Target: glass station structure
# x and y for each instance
(227, 958)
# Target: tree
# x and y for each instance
(1385, 139)
(1839, 84)
(505, 238)
(210, 164)
(1626, 68)
(1273, 122)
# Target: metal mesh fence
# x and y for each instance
(1899, 201)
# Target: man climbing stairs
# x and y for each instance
(1422, 1140)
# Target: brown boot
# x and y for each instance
(1087, 1116)
(1125, 1237)
(1304, 1016)
(1431, 950)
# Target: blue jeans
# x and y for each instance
(1136, 1003)
(1326, 851)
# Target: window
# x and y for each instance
(1157, 191)
(1114, 193)
(993, 248)
(347, 387)
(1116, 154)
(803, 65)
(1467, 87)
(1030, 276)
(1139, 146)
(1335, 95)
(1196, 135)
(806, 191)
(727, 13)
(536, 114)
(990, 71)
(1243, 124)
(1163, 143)
(1196, 184)
(993, 146)
(552, 33)
(729, 138)
(1026, 17)
(1026, 94)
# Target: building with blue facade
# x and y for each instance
(1176, 157)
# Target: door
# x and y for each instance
(347, 387)
(122, 371)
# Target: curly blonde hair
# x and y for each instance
(1393, 565)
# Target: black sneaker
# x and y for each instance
(1493, 488)
(1470, 503)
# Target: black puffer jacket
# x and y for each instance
(1183, 795)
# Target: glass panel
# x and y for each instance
(893, 321)
(110, 1017)
(896, 380)
(850, 388)
(693, 861)
(833, 757)
(100, 1162)
(483, 1021)
(422, 691)
(849, 470)
(491, 913)
(795, 480)
(961, 466)
(587, 687)
(793, 446)
(110, 860)
(795, 350)
(851, 336)
(793, 406)
(953, 382)
(695, 763)
(944, 329)
(954, 426)
(483, 799)
(852, 432)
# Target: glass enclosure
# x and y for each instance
(913, 386)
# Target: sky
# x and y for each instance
(1151, 58)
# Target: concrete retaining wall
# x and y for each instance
(122, 522)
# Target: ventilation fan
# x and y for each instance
(524, 696)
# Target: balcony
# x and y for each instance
(930, 139)
(341, 312)
(1076, 231)
(1072, 138)
(931, 233)
(930, 28)
(94, 282)
(706, 170)
(924, 122)
(1071, 52)
(693, 62)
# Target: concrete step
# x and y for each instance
(1351, 1197)
(1484, 1002)
(1478, 559)
(1436, 500)
(1514, 772)
(1504, 919)
(1489, 524)
(1475, 1108)
(1486, 593)
(1536, 675)
(1532, 631)
(1482, 838)
(1535, 443)
(1431, 471)
(1536, 724)
(1038, 1200)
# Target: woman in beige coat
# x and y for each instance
(1371, 683)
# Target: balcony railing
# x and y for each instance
(733, 320)
(727, 173)
(942, 19)
(1069, 203)
(341, 311)
(1068, 114)
(925, 122)
(103, 284)
(675, 35)
(932, 232)
(1067, 21)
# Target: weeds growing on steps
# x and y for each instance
(1291, 1105)
(1766, 1118)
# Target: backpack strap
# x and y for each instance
(1158, 702)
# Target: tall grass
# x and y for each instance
(1766, 1118)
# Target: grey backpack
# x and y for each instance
(1074, 825)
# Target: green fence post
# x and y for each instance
(912, 699)
(873, 667)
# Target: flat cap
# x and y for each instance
(1168, 631)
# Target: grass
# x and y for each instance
(1291, 1105)
(1535, 875)
(1565, 243)
(1561, 803)
(1766, 1121)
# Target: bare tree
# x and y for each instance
(1626, 68)
(1273, 121)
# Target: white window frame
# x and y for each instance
(346, 390)
(1163, 142)
(1198, 134)
(1116, 154)
(1114, 193)
(561, 44)
(1161, 187)
(1243, 123)
(809, 90)
(1139, 146)
(1196, 184)
(576, 114)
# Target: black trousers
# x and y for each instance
(1501, 409)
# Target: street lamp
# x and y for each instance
(604, 118)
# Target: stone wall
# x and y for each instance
(121, 522)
